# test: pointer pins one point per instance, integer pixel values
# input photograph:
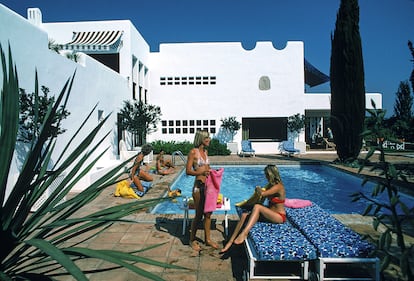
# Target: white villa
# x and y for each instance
(195, 84)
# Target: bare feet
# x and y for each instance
(212, 244)
(240, 239)
(226, 248)
(195, 246)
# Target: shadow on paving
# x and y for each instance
(236, 255)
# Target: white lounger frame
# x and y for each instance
(324, 263)
(253, 262)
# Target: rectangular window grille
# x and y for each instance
(190, 80)
(188, 126)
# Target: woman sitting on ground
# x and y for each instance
(163, 167)
(274, 191)
(137, 172)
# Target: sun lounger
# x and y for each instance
(278, 251)
(288, 148)
(337, 245)
(329, 144)
(247, 149)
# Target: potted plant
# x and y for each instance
(230, 125)
(295, 125)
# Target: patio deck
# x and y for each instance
(152, 229)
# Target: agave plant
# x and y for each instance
(32, 243)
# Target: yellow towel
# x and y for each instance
(220, 198)
(255, 198)
(124, 190)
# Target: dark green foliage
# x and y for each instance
(33, 109)
(296, 123)
(402, 122)
(403, 102)
(215, 148)
(403, 111)
(170, 146)
(391, 219)
(139, 118)
(347, 83)
(231, 125)
(410, 46)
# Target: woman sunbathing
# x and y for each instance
(164, 167)
(274, 191)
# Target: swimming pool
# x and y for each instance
(324, 185)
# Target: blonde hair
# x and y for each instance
(200, 136)
(272, 173)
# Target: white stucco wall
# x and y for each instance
(317, 101)
(237, 73)
(93, 84)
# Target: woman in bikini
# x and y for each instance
(198, 166)
(137, 173)
(163, 167)
(275, 212)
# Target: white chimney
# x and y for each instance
(34, 15)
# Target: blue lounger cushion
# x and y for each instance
(145, 184)
(271, 241)
(331, 238)
(280, 242)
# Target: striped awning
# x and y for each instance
(95, 41)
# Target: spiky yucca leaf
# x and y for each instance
(33, 243)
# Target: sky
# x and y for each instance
(385, 28)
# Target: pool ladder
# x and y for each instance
(180, 154)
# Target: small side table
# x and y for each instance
(226, 206)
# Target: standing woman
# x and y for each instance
(137, 173)
(198, 166)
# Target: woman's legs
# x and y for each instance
(197, 218)
(207, 231)
(141, 176)
(138, 183)
(254, 217)
(236, 231)
(145, 176)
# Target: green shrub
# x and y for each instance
(215, 148)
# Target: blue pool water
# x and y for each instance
(326, 186)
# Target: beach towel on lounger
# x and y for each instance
(213, 183)
(145, 184)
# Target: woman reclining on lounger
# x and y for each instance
(137, 172)
(274, 191)
(163, 167)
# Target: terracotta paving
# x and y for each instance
(149, 229)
